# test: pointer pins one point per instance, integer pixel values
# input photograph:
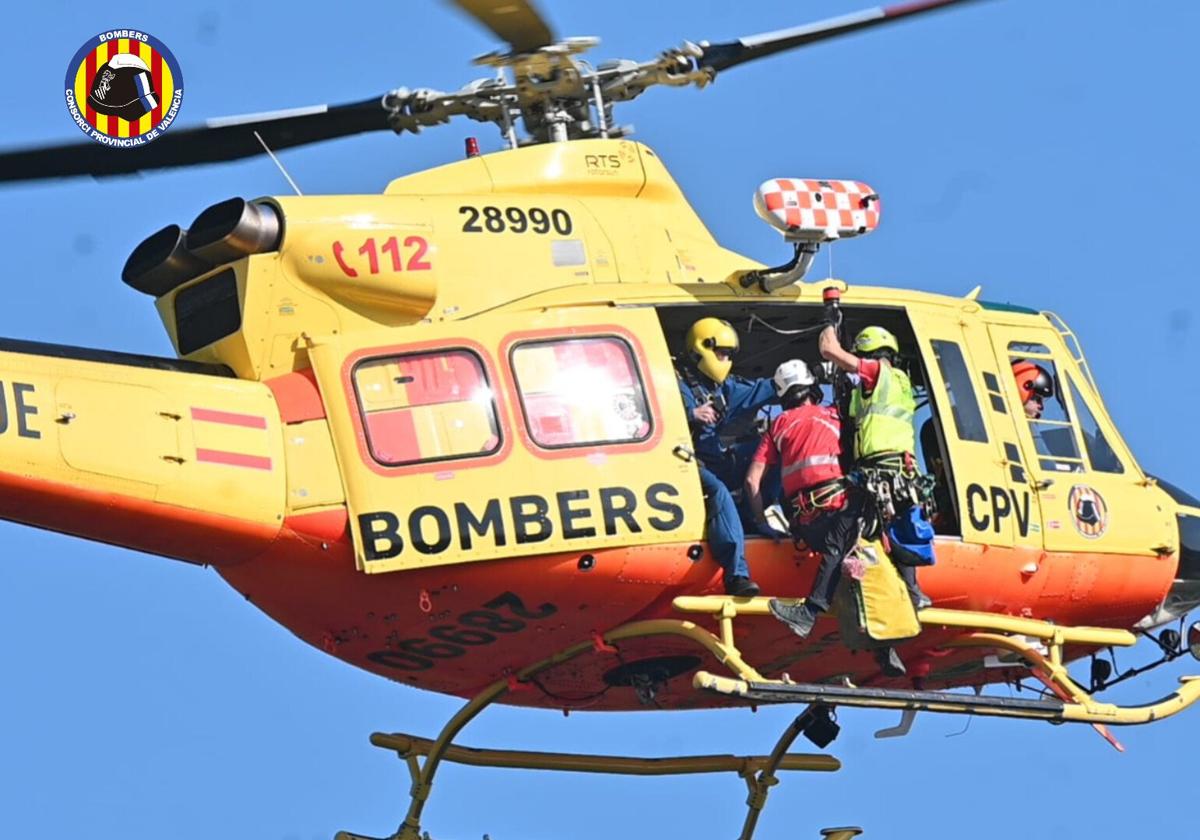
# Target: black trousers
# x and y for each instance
(832, 535)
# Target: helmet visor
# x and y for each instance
(1041, 385)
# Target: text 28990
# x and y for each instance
(474, 628)
(516, 220)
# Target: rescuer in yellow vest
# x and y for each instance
(882, 409)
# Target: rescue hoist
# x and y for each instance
(810, 212)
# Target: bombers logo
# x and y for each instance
(519, 520)
(123, 88)
(1088, 511)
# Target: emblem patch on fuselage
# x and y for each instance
(1089, 512)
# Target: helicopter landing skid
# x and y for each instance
(759, 772)
(1038, 645)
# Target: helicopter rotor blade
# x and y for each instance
(228, 138)
(516, 21)
(717, 57)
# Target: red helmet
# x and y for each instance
(1032, 380)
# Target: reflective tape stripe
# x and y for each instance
(814, 461)
(831, 427)
(897, 411)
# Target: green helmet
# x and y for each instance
(875, 338)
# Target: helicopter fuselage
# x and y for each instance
(437, 434)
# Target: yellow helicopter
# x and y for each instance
(410, 466)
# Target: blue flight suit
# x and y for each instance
(723, 468)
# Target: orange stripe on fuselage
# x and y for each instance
(307, 581)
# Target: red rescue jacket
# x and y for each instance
(807, 443)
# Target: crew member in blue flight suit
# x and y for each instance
(719, 404)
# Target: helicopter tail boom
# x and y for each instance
(151, 454)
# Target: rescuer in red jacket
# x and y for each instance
(805, 440)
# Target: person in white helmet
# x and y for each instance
(806, 441)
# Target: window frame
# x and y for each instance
(439, 465)
(1044, 461)
(934, 344)
(1080, 407)
(519, 393)
(642, 366)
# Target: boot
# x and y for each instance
(920, 600)
(799, 617)
(889, 662)
(741, 587)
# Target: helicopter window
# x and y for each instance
(1028, 348)
(1053, 432)
(964, 407)
(1100, 454)
(992, 384)
(426, 407)
(581, 391)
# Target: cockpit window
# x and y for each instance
(1100, 454)
(1048, 416)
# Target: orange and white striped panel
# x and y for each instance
(816, 210)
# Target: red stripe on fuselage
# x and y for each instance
(233, 459)
(229, 418)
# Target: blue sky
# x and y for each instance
(1045, 150)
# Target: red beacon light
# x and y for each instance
(808, 213)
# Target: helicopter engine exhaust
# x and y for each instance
(162, 262)
(221, 234)
(234, 229)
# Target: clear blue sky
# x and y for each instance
(1045, 150)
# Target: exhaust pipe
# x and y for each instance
(162, 263)
(234, 229)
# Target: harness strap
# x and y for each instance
(812, 501)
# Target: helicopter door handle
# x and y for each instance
(684, 454)
(1044, 484)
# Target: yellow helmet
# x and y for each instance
(875, 338)
(704, 339)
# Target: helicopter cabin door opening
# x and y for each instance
(1093, 496)
(509, 435)
(772, 333)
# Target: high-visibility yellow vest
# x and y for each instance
(884, 420)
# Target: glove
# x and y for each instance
(833, 316)
(765, 529)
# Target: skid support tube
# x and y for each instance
(410, 745)
(726, 609)
(423, 772)
(1073, 704)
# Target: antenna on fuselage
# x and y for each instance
(271, 154)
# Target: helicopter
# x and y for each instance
(15, 402)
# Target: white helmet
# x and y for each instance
(793, 374)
